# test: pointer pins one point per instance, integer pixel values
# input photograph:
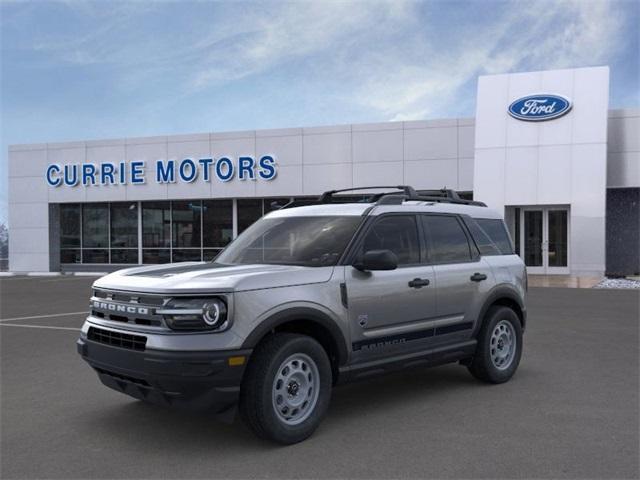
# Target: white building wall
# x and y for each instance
(28, 209)
(623, 148)
(561, 161)
(425, 154)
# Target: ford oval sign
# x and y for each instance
(536, 108)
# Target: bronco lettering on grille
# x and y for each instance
(118, 307)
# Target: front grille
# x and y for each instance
(128, 307)
(129, 297)
(117, 339)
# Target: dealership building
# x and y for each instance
(544, 149)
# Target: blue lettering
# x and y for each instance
(267, 168)
(206, 165)
(53, 181)
(165, 174)
(106, 173)
(88, 173)
(245, 165)
(123, 173)
(224, 161)
(193, 171)
(69, 180)
(137, 173)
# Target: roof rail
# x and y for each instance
(400, 194)
(327, 196)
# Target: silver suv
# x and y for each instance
(310, 296)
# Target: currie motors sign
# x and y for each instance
(537, 108)
(188, 170)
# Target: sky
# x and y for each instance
(74, 70)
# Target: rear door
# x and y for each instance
(462, 277)
(389, 311)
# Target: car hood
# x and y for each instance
(206, 277)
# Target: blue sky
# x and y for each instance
(82, 70)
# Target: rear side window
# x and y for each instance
(446, 240)
(398, 233)
(495, 229)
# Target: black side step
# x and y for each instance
(431, 357)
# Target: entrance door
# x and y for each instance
(544, 239)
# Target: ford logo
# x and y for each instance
(536, 108)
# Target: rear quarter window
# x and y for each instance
(493, 238)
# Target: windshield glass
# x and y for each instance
(308, 241)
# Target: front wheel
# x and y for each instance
(499, 346)
(286, 389)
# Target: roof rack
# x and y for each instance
(400, 194)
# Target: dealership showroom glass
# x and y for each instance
(544, 149)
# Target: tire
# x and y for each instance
(500, 330)
(286, 389)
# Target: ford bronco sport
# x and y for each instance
(310, 296)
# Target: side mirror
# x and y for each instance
(377, 260)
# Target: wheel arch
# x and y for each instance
(507, 296)
(306, 321)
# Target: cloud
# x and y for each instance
(295, 30)
(391, 57)
(532, 36)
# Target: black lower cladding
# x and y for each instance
(197, 380)
(406, 337)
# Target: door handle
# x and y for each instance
(419, 282)
(478, 277)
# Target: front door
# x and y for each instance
(390, 311)
(544, 239)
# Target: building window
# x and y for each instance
(271, 204)
(124, 232)
(95, 233)
(186, 227)
(156, 232)
(217, 226)
(70, 239)
(172, 231)
(249, 210)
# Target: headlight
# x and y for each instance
(195, 314)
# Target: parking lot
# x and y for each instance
(571, 411)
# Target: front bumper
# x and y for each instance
(197, 380)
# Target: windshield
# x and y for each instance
(307, 241)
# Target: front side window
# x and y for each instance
(397, 233)
(306, 241)
(446, 239)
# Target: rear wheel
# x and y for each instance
(499, 346)
(286, 389)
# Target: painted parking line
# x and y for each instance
(39, 326)
(35, 317)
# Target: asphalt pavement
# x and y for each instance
(571, 411)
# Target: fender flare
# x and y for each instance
(300, 313)
(499, 292)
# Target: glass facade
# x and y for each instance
(155, 232)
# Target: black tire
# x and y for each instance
(257, 406)
(482, 365)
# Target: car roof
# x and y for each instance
(355, 209)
